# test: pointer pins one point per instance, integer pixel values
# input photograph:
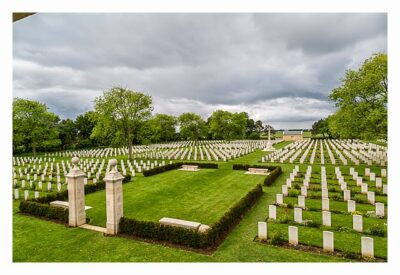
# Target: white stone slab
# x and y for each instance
(358, 223)
(65, 204)
(326, 218)
(262, 230)
(371, 197)
(325, 193)
(180, 223)
(346, 195)
(16, 194)
(378, 182)
(372, 176)
(351, 206)
(298, 215)
(367, 247)
(325, 204)
(383, 173)
(293, 235)
(304, 191)
(380, 209)
(284, 190)
(301, 201)
(272, 212)
(328, 241)
(384, 189)
(279, 199)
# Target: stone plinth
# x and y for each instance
(114, 199)
(76, 195)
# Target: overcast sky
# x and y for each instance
(279, 68)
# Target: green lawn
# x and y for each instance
(36, 240)
(202, 196)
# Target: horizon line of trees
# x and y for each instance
(361, 102)
(122, 117)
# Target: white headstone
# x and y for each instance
(364, 188)
(284, 190)
(367, 247)
(359, 181)
(328, 243)
(383, 173)
(279, 198)
(325, 193)
(36, 194)
(304, 191)
(346, 195)
(262, 230)
(58, 186)
(301, 201)
(367, 171)
(372, 176)
(351, 206)
(26, 194)
(16, 194)
(380, 209)
(358, 223)
(298, 215)
(325, 204)
(293, 235)
(326, 218)
(272, 212)
(378, 182)
(371, 197)
(49, 186)
(384, 187)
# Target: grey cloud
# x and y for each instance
(200, 61)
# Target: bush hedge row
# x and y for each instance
(176, 165)
(40, 206)
(44, 210)
(191, 238)
(275, 171)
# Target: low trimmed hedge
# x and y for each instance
(44, 210)
(176, 165)
(273, 175)
(191, 238)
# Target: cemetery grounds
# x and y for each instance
(204, 196)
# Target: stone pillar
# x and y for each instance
(113, 180)
(76, 195)
(262, 230)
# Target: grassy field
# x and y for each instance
(36, 240)
(202, 196)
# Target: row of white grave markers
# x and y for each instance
(355, 151)
(183, 150)
(367, 243)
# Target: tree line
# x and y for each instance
(121, 117)
(361, 102)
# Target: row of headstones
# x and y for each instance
(367, 243)
(26, 194)
(326, 215)
(298, 148)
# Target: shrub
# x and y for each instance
(377, 230)
(44, 210)
(277, 238)
(293, 193)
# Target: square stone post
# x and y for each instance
(113, 180)
(76, 195)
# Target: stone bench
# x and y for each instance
(65, 204)
(257, 171)
(191, 168)
(185, 224)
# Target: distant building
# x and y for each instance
(292, 135)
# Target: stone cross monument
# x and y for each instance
(114, 198)
(76, 195)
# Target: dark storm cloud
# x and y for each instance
(258, 63)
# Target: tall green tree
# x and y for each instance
(120, 112)
(321, 127)
(192, 126)
(85, 124)
(227, 125)
(162, 128)
(67, 133)
(362, 101)
(34, 126)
